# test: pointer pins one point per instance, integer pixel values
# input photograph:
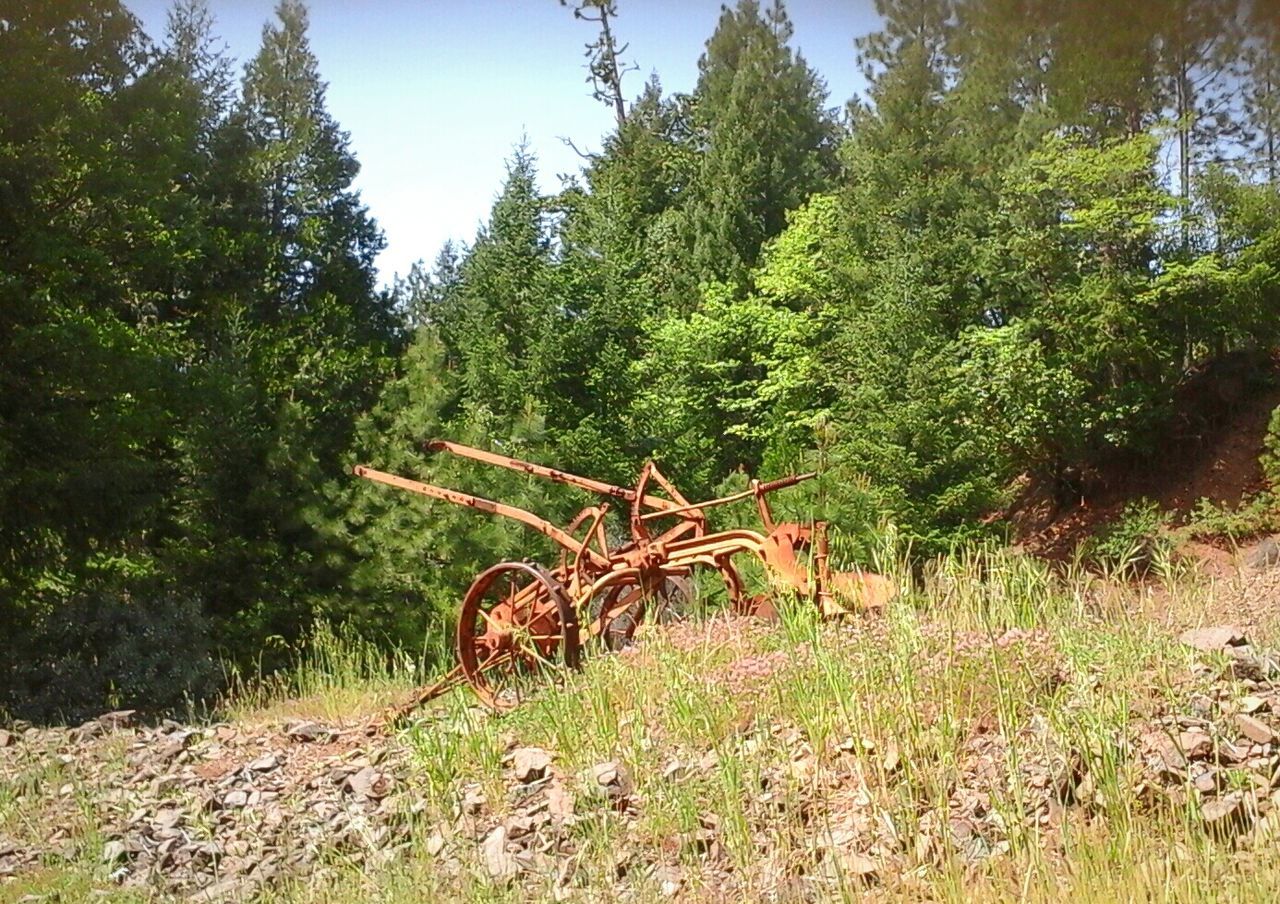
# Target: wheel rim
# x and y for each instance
(515, 626)
(616, 610)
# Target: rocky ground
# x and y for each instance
(223, 812)
(203, 812)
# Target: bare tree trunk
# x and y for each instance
(602, 54)
(609, 58)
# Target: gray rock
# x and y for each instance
(1230, 753)
(1206, 782)
(519, 826)
(232, 888)
(497, 860)
(307, 731)
(1195, 744)
(529, 763)
(472, 801)
(1213, 639)
(1255, 730)
(168, 818)
(264, 763)
(113, 852)
(1226, 816)
(676, 771)
(611, 778)
(1251, 704)
(669, 880)
(1248, 666)
(560, 802)
(857, 865)
(1265, 554)
(369, 783)
(87, 731)
(173, 745)
(118, 719)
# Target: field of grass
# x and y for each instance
(990, 736)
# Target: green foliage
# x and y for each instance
(1029, 405)
(1271, 451)
(715, 395)
(411, 557)
(1253, 517)
(1084, 223)
(188, 327)
(101, 647)
(986, 277)
(758, 112)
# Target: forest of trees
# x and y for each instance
(998, 266)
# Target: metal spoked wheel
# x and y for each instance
(516, 625)
(617, 609)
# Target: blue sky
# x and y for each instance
(436, 92)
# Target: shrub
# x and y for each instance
(1133, 543)
(1271, 451)
(105, 649)
(1253, 517)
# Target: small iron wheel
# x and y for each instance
(617, 610)
(515, 624)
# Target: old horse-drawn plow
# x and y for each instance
(519, 618)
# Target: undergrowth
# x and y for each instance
(1253, 517)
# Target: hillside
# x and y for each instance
(986, 270)
(1009, 317)
(1001, 733)
(1208, 452)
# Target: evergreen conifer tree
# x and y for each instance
(768, 142)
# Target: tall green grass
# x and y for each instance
(933, 671)
(335, 672)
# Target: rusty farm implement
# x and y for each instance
(519, 618)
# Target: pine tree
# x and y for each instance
(324, 242)
(496, 324)
(425, 297)
(304, 344)
(101, 229)
(758, 111)
(638, 175)
(1199, 48)
(913, 33)
(1104, 73)
(197, 54)
(1001, 50)
(1261, 87)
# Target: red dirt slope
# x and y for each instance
(1211, 451)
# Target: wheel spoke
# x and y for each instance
(528, 611)
(497, 658)
(531, 651)
(489, 620)
(537, 655)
